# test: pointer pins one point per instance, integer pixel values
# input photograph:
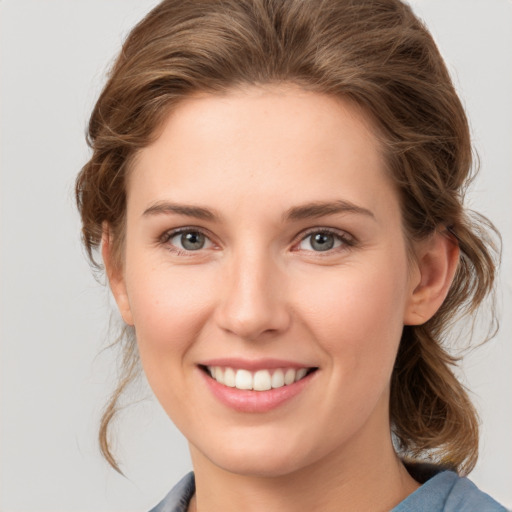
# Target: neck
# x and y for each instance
(374, 479)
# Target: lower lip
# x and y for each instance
(243, 400)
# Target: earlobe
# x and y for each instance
(115, 276)
(437, 260)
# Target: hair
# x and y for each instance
(375, 53)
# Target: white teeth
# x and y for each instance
(262, 380)
(300, 374)
(278, 379)
(289, 376)
(229, 378)
(243, 379)
(219, 375)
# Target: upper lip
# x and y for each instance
(254, 364)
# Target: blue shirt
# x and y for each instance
(444, 492)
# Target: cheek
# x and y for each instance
(169, 313)
(169, 309)
(357, 315)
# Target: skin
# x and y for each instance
(259, 289)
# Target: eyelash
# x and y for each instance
(169, 235)
(347, 241)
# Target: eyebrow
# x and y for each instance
(319, 209)
(306, 211)
(198, 212)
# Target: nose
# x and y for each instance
(253, 304)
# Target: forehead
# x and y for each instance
(278, 142)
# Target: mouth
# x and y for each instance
(260, 380)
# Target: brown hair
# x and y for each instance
(378, 54)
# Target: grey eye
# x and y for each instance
(192, 241)
(189, 240)
(321, 241)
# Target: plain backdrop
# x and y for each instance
(54, 316)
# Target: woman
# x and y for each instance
(276, 187)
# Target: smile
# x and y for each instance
(261, 380)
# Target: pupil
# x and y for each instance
(322, 242)
(192, 241)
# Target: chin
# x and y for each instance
(260, 459)
(262, 468)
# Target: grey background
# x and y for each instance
(54, 316)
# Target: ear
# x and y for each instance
(436, 262)
(115, 276)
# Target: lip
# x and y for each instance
(254, 365)
(250, 401)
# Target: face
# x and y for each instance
(264, 249)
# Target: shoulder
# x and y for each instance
(448, 492)
(465, 496)
(178, 499)
(443, 492)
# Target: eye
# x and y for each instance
(186, 240)
(324, 240)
